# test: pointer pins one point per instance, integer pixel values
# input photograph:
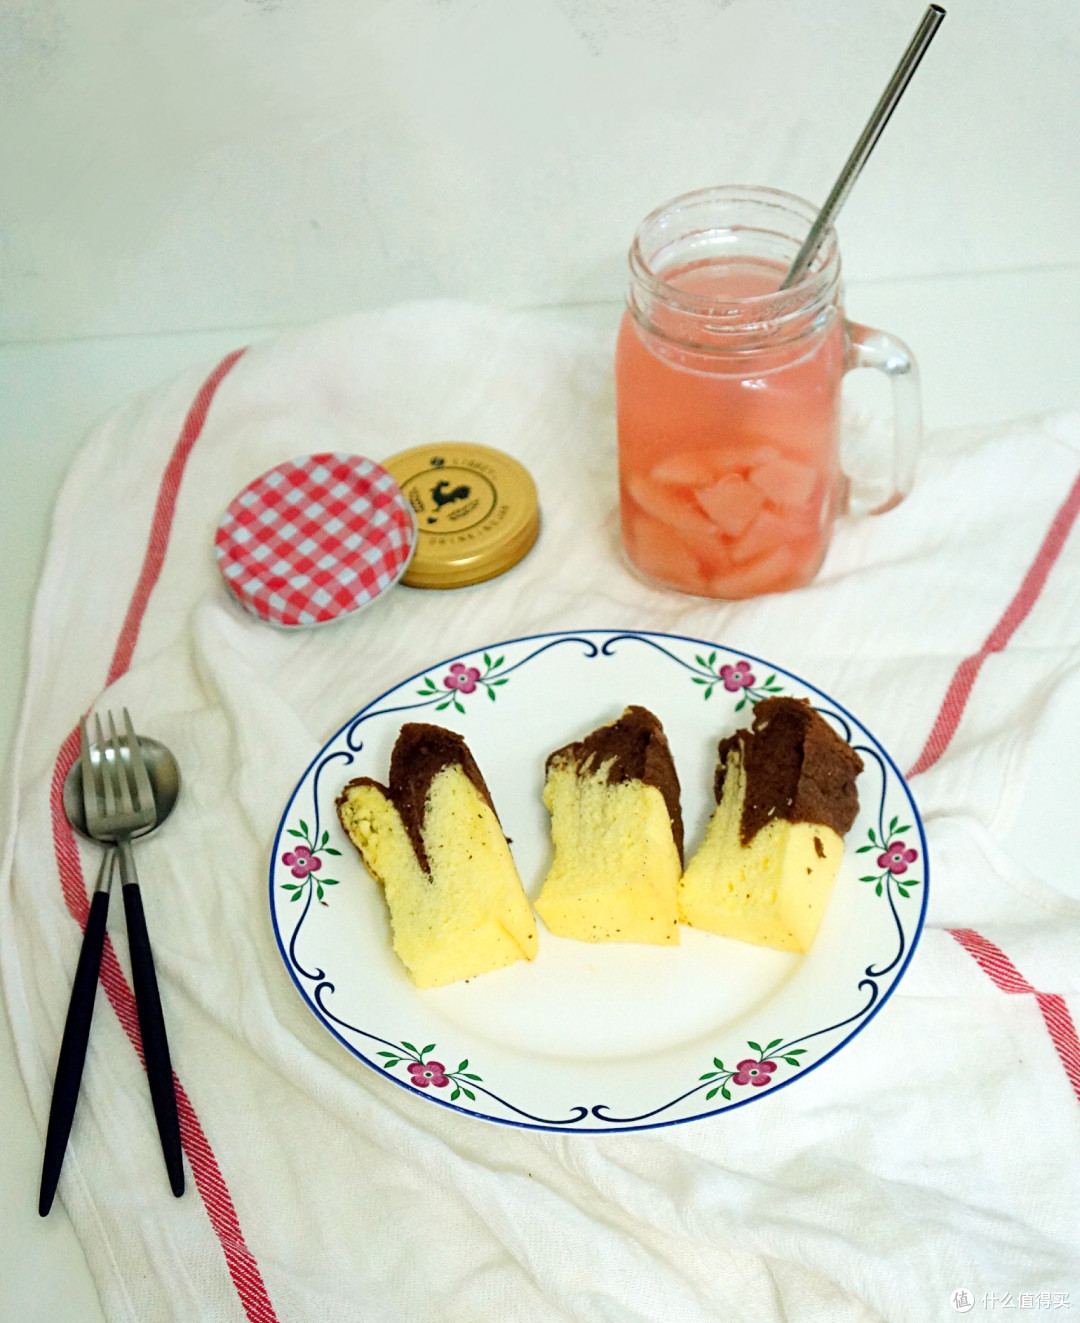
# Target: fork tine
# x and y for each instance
(143, 790)
(119, 770)
(107, 784)
(91, 794)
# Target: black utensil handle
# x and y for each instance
(155, 1043)
(69, 1065)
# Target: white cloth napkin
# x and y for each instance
(937, 1152)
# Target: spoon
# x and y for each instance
(164, 773)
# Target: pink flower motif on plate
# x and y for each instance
(737, 677)
(753, 1072)
(462, 678)
(896, 857)
(301, 861)
(427, 1073)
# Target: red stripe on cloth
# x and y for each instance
(243, 1268)
(161, 524)
(1055, 1013)
(990, 958)
(241, 1264)
(1062, 1030)
(952, 709)
(64, 847)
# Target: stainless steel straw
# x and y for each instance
(909, 62)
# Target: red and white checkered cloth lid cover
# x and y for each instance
(315, 538)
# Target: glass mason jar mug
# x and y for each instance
(728, 397)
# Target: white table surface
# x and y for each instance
(991, 347)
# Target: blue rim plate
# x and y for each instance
(593, 1038)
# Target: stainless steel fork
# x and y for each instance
(113, 812)
(126, 806)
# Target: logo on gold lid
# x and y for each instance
(476, 512)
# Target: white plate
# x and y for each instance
(589, 1037)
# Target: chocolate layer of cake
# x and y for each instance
(420, 753)
(797, 768)
(636, 749)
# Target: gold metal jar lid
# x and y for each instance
(476, 511)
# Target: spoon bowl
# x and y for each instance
(164, 773)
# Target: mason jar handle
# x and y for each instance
(869, 348)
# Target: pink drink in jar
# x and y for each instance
(729, 397)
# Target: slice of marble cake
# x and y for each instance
(616, 828)
(432, 838)
(785, 798)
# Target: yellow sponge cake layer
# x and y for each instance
(432, 838)
(786, 797)
(617, 836)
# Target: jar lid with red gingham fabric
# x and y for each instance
(314, 539)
